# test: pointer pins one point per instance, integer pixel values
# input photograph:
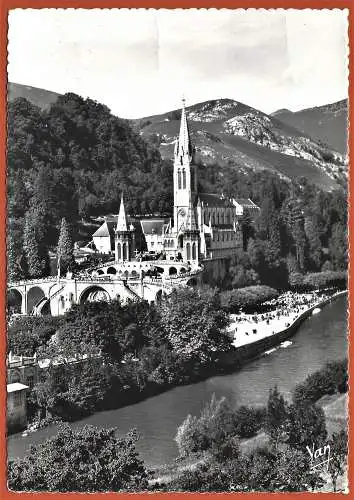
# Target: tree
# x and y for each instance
(14, 258)
(248, 421)
(194, 324)
(215, 426)
(261, 469)
(299, 237)
(292, 472)
(339, 456)
(314, 241)
(337, 246)
(188, 436)
(276, 417)
(84, 460)
(65, 248)
(36, 251)
(306, 426)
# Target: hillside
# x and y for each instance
(324, 123)
(38, 97)
(230, 132)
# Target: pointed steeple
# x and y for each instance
(183, 144)
(122, 221)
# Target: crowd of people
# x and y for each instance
(281, 313)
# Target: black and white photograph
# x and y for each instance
(177, 250)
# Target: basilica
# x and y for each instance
(204, 226)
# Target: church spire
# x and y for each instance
(122, 221)
(183, 145)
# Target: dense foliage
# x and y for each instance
(247, 298)
(331, 379)
(85, 460)
(26, 334)
(135, 350)
(72, 161)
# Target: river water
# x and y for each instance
(320, 338)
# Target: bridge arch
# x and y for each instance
(111, 270)
(34, 296)
(192, 282)
(172, 271)
(94, 293)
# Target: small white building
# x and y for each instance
(103, 238)
(16, 416)
(153, 230)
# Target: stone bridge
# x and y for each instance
(56, 296)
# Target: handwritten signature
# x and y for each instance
(319, 456)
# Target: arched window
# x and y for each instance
(179, 179)
(184, 178)
(194, 252)
(188, 250)
(119, 251)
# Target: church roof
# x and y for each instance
(213, 200)
(152, 226)
(106, 229)
(246, 202)
(109, 226)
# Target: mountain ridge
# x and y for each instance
(230, 132)
(225, 130)
(326, 123)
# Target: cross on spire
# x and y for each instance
(183, 145)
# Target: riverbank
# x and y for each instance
(322, 338)
(335, 409)
(253, 336)
(227, 363)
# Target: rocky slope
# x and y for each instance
(324, 123)
(229, 131)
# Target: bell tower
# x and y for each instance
(123, 239)
(184, 173)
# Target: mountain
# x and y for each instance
(229, 132)
(324, 123)
(39, 97)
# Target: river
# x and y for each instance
(320, 338)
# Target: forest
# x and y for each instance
(74, 161)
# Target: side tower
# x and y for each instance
(191, 238)
(123, 237)
(184, 174)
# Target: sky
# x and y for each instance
(141, 62)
